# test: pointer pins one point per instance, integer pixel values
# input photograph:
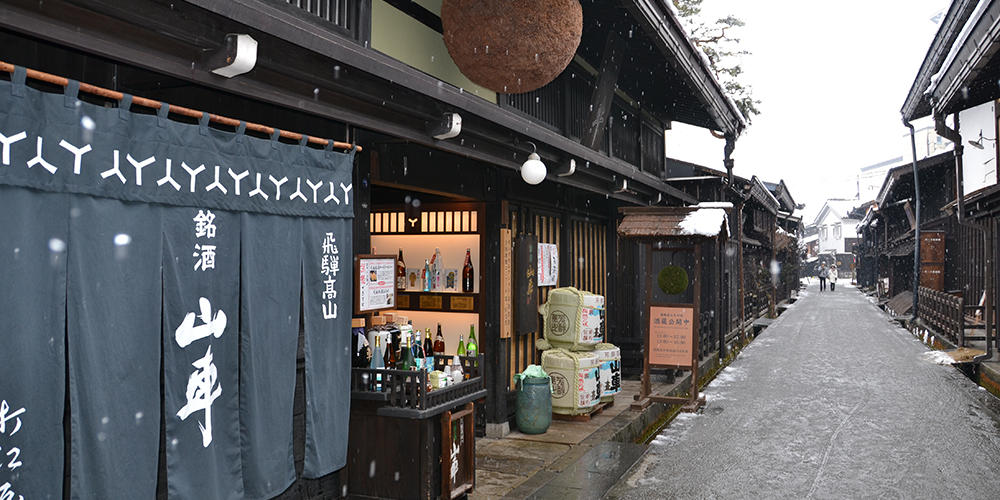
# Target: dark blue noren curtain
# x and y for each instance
(149, 282)
(327, 267)
(269, 327)
(200, 352)
(33, 254)
(113, 330)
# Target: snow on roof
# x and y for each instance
(704, 222)
(715, 204)
(810, 238)
(960, 40)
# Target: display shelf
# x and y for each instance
(405, 393)
(438, 301)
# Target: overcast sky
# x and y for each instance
(832, 77)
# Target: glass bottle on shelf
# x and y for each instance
(472, 348)
(374, 331)
(461, 346)
(377, 363)
(400, 272)
(406, 361)
(439, 341)
(456, 368)
(436, 264)
(428, 352)
(417, 348)
(427, 275)
(394, 332)
(406, 331)
(468, 282)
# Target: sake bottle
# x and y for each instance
(377, 363)
(472, 348)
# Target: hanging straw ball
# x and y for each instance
(512, 46)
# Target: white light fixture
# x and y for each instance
(240, 55)
(533, 170)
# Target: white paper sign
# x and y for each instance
(376, 282)
(548, 264)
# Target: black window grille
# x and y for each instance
(545, 104)
(623, 128)
(652, 148)
(333, 11)
(579, 85)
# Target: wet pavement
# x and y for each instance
(832, 400)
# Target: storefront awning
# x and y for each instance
(904, 249)
(674, 222)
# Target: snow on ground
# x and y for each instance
(937, 357)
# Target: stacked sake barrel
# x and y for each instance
(574, 353)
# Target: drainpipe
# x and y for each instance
(955, 137)
(728, 162)
(916, 235)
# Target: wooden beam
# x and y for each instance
(604, 91)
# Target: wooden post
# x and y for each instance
(604, 90)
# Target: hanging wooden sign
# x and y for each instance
(506, 285)
(526, 284)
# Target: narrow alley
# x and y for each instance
(832, 400)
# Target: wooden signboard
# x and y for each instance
(526, 284)
(506, 285)
(375, 286)
(458, 452)
(671, 336)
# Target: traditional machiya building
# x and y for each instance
(955, 87)
(190, 224)
(886, 231)
(763, 230)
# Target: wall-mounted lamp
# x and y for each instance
(448, 126)
(238, 56)
(570, 170)
(978, 143)
(533, 170)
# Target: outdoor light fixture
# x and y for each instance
(238, 56)
(533, 170)
(978, 143)
(450, 125)
(571, 168)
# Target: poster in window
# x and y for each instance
(548, 264)
(376, 282)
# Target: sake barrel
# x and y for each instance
(575, 380)
(610, 357)
(572, 319)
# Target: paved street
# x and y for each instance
(831, 401)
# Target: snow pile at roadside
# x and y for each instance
(937, 357)
(704, 222)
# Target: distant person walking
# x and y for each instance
(832, 276)
(823, 273)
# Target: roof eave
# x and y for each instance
(916, 106)
(659, 20)
(982, 43)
